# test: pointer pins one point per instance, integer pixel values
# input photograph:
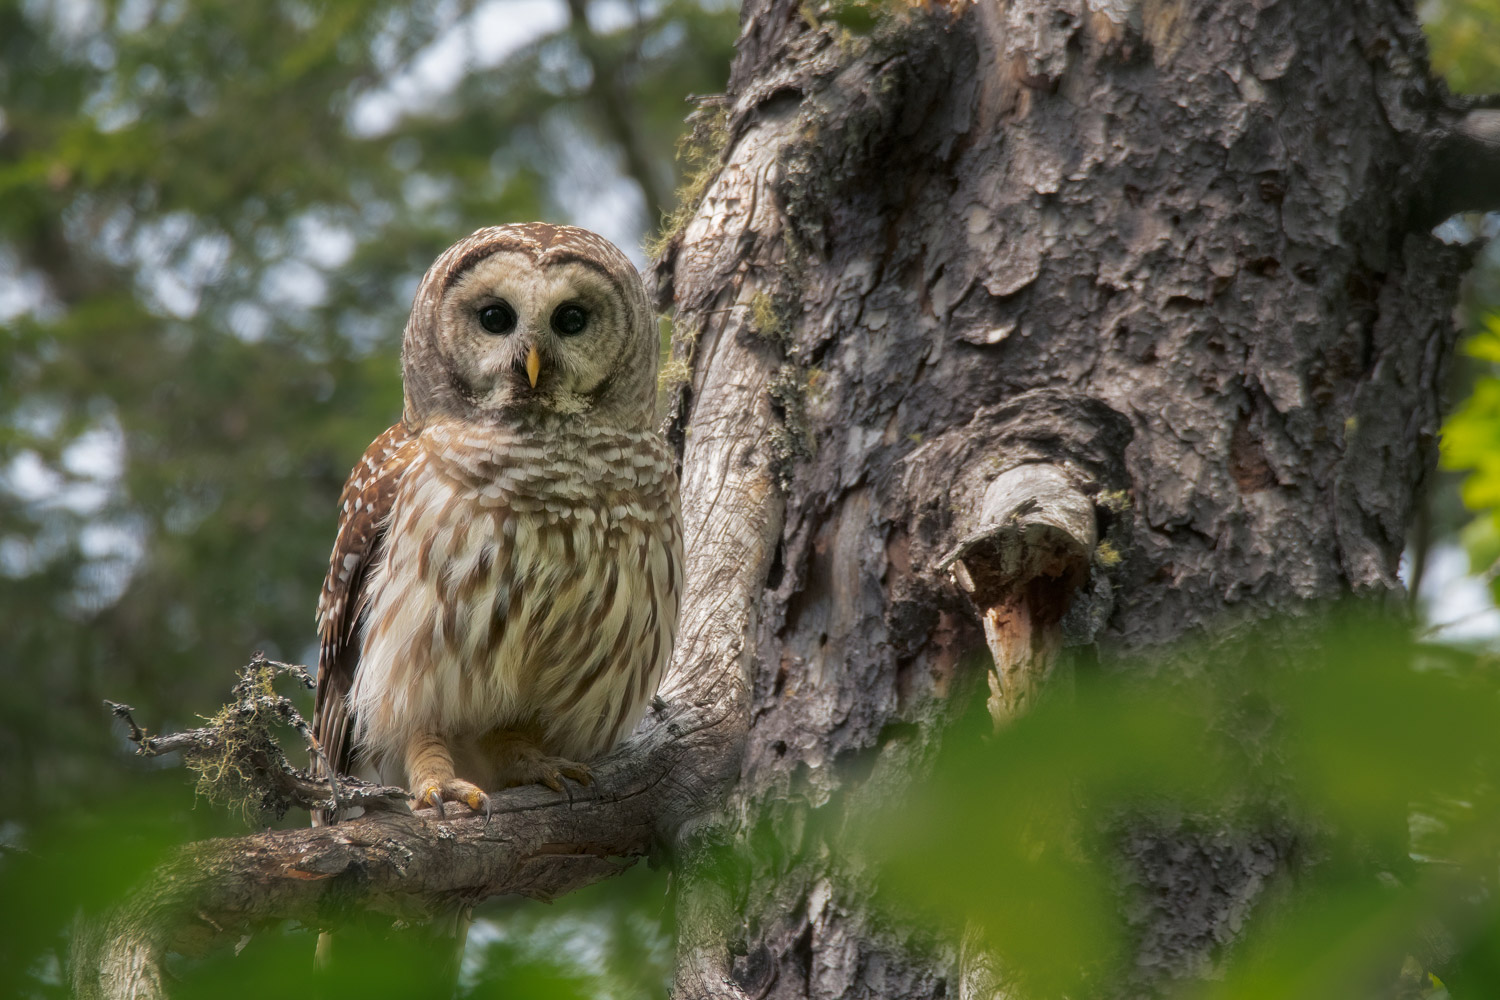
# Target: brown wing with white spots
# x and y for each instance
(364, 507)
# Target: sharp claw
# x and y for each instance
(550, 780)
(578, 772)
(489, 812)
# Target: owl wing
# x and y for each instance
(364, 507)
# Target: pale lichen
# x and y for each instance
(239, 761)
(767, 319)
(1115, 501)
(228, 769)
(674, 372)
(792, 438)
(700, 151)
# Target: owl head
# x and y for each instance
(531, 320)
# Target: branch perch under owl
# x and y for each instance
(539, 844)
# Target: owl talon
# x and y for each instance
(453, 790)
(431, 797)
(551, 771)
(519, 761)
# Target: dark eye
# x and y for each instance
(570, 319)
(498, 318)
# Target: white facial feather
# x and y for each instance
(573, 366)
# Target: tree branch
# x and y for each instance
(238, 759)
(538, 844)
(1460, 169)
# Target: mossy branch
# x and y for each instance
(700, 151)
(239, 761)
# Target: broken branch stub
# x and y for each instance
(1020, 568)
(1022, 486)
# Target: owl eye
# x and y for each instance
(498, 318)
(570, 319)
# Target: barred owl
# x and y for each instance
(503, 591)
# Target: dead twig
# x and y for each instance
(239, 760)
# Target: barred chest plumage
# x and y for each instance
(521, 586)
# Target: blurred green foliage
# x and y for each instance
(1471, 444)
(213, 215)
(1373, 758)
(1464, 43)
(1464, 38)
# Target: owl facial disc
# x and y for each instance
(532, 319)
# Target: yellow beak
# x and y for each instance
(533, 366)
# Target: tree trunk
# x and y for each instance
(1177, 250)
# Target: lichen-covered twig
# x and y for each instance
(239, 761)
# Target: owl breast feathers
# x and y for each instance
(503, 592)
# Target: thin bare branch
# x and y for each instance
(239, 761)
(1460, 168)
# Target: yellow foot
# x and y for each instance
(517, 758)
(549, 771)
(434, 793)
(521, 762)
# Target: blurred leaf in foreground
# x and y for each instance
(1352, 742)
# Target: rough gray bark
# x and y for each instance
(1178, 249)
(1175, 250)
